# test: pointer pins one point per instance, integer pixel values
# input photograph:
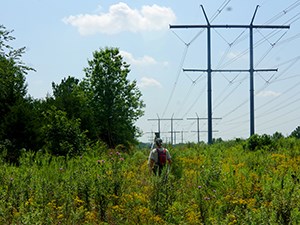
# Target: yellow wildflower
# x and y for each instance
(90, 216)
(60, 216)
(157, 220)
(29, 201)
(78, 201)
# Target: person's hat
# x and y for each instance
(158, 141)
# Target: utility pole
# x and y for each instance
(182, 132)
(209, 70)
(178, 132)
(202, 131)
(198, 124)
(158, 125)
(175, 132)
(172, 130)
(151, 135)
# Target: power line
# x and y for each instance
(177, 77)
(172, 119)
(198, 124)
(209, 69)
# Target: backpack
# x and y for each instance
(162, 157)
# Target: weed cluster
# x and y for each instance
(224, 183)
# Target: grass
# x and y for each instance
(225, 183)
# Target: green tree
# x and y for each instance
(15, 115)
(62, 136)
(70, 96)
(277, 135)
(115, 100)
(296, 133)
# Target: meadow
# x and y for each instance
(230, 182)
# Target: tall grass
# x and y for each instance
(225, 183)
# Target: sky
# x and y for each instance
(60, 37)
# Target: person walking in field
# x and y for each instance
(159, 157)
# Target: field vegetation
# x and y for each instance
(69, 158)
(254, 181)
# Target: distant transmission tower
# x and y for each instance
(172, 129)
(198, 125)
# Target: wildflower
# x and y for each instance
(199, 187)
(118, 153)
(78, 201)
(100, 161)
(29, 201)
(122, 159)
(206, 198)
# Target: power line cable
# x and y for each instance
(224, 4)
(283, 12)
(278, 108)
(185, 99)
(281, 123)
(244, 102)
(177, 77)
(289, 89)
(280, 116)
(229, 94)
(202, 91)
(294, 37)
(264, 40)
(219, 10)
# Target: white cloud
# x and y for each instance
(149, 82)
(121, 17)
(268, 94)
(144, 61)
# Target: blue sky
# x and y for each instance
(60, 37)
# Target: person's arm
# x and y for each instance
(169, 160)
(151, 165)
(151, 162)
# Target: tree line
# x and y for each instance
(102, 107)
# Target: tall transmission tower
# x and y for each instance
(209, 69)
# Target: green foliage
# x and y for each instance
(103, 107)
(21, 128)
(256, 142)
(277, 136)
(71, 97)
(15, 117)
(115, 100)
(218, 184)
(62, 136)
(296, 133)
(12, 55)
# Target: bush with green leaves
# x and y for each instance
(296, 133)
(62, 136)
(218, 184)
(256, 142)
